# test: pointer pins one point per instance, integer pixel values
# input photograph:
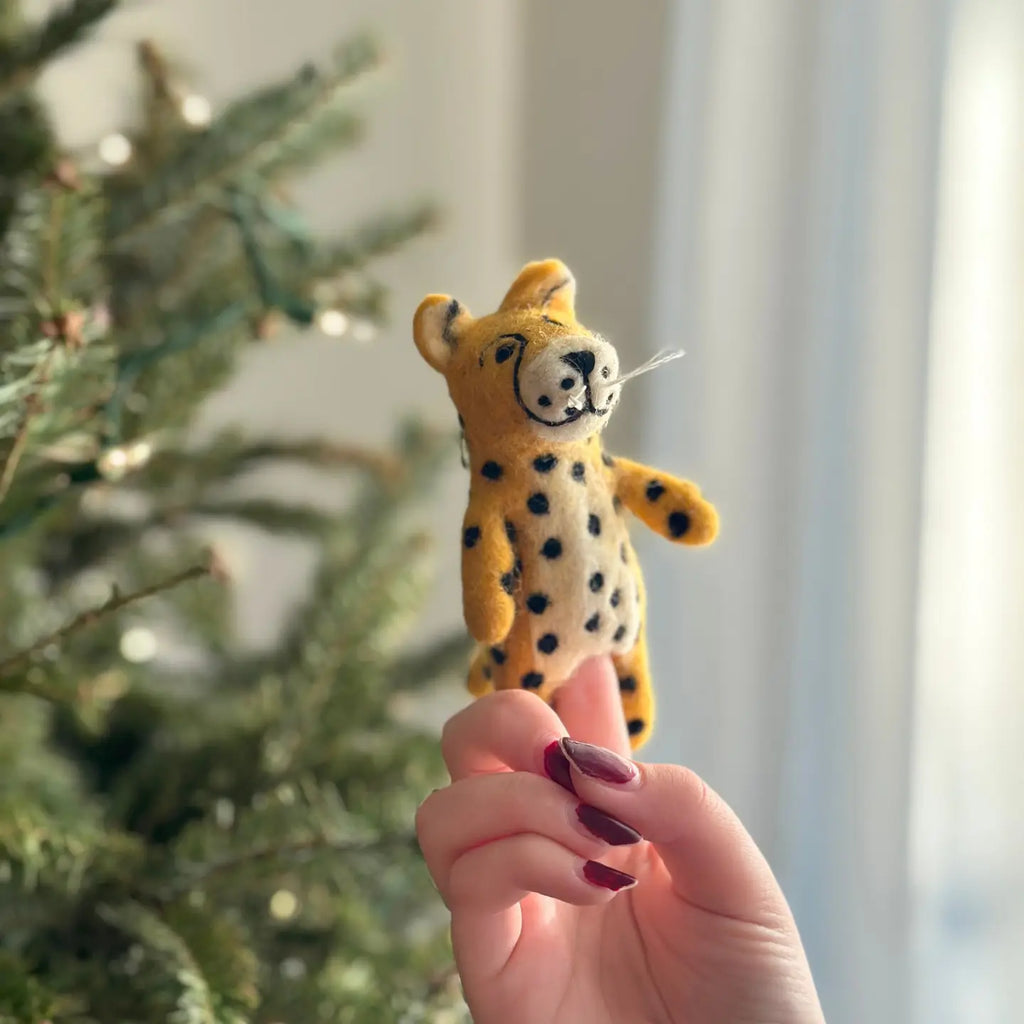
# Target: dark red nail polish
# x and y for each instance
(605, 827)
(599, 763)
(557, 766)
(608, 878)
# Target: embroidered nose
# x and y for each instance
(582, 361)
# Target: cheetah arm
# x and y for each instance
(669, 506)
(488, 577)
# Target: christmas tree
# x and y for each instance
(225, 836)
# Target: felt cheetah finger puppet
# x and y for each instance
(549, 577)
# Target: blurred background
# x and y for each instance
(823, 203)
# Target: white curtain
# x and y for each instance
(967, 837)
(796, 220)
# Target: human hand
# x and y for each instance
(541, 934)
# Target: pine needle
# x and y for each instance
(114, 603)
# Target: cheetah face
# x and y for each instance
(529, 367)
(563, 386)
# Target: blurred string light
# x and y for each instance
(293, 968)
(114, 463)
(115, 149)
(138, 645)
(333, 322)
(196, 110)
(283, 905)
(363, 331)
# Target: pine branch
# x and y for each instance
(271, 516)
(185, 338)
(326, 454)
(24, 56)
(447, 655)
(114, 603)
(193, 998)
(33, 405)
(284, 852)
(58, 852)
(248, 137)
(375, 238)
(23, 998)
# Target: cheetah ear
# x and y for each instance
(436, 327)
(545, 284)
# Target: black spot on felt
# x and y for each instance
(619, 634)
(545, 463)
(635, 725)
(537, 603)
(566, 383)
(596, 582)
(498, 655)
(617, 503)
(510, 531)
(508, 582)
(655, 490)
(552, 548)
(605, 372)
(615, 598)
(593, 624)
(607, 460)
(533, 680)
(544, 401)
(593, 525)
(548, 643)
(491, 470)
(678, 523)
(504, 353)
(627, 684)
(622, 554)
(579, 472)
(538, 504)
(488, 674)
(471, 536)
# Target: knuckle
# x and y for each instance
(694, 790)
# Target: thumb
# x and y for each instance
(590, 706)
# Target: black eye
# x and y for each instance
(544, 400)
(567, 382)
(504, 353)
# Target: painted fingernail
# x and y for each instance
(599, 763)
(607, 878)
(605, 827)
(557, 766)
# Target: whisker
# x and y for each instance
(658, 359)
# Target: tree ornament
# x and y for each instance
(549, 576)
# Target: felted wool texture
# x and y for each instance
(549, 575)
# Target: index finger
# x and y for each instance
(509, 730)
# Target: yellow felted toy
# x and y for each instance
(549, 577)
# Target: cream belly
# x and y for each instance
(577, 593)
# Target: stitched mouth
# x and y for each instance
(573, 412)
